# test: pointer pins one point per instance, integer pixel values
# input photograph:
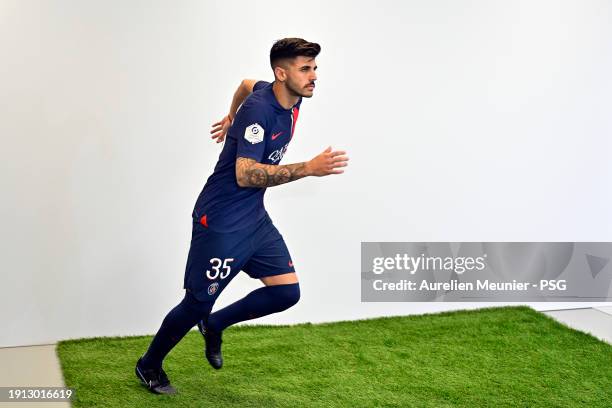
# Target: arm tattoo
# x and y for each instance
(250, 173)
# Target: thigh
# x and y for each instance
(213, 261)
(271, 256)
(284, 279)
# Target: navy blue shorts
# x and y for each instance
(216, 257)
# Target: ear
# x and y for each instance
(280, 73)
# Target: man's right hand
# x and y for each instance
(220, 128)
(327, 163)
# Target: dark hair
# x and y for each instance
(291, 48)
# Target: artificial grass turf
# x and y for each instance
(500, 357)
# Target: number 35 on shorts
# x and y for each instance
(220, 268)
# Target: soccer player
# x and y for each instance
(231, 228)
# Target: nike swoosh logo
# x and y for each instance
(290, 264)
(275, 135)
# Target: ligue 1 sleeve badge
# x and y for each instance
(254, 133)
(213, 288)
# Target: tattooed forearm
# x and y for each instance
(250, 173)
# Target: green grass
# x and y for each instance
(493, 357)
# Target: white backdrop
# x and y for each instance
(464, 121)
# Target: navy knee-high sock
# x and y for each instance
(260, 302)
(175, 326)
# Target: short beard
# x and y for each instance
(295, 92)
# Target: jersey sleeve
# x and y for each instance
(260, 84)
(250, 126)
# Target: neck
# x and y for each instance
(284, 98)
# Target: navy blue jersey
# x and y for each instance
(262, 130)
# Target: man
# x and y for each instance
(231, 228)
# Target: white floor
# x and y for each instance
(32, 366)
(39, 365)
(605, 309)
(597, 321)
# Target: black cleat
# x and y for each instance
(155, 380)
(212, 350)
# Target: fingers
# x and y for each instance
(336, 169)
(340, 159)
(220, 129)
(219, 138)
(216, 129)
(334, 160)
(328, 153)
(220, 124)
(334, 165)
(329, 162)
(225, 118)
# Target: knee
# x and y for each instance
(196, 306)
(289, 295)
(294, 297)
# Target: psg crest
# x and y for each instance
(212, 288)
